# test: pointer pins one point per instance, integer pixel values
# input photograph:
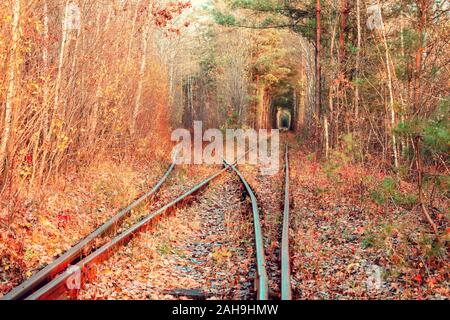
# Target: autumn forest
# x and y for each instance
(91, 194)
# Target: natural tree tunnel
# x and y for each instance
(284, 119)
(283, 111)
(262, 84)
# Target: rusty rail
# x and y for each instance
(262, 279)
(262, 282)
(78, 251)
(286, 290)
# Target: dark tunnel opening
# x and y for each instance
(285, 122)
(283, 111)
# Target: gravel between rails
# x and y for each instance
(204, 251)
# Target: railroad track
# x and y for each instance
(263, 289)
(63, 277)
(75, 253)
(286, 287)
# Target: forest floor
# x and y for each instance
(346, 244)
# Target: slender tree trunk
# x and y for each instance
(342, 105)
(45, 101)
(327, 140)
(45, 54)
(61, 60)
(138, 102)
(72, 85)
(358, 57)
(11, 90)
(331, 86)
(404, 140)
(423, 6)
(343, 24)
(38, 165)
(56, 111)
(419, 165)
(262, 108)
(391, 96)
(318, 67)
(391, 104)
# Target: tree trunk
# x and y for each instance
(391, 96)
(423, 6)
(318, 66)
(138, 102)
(261, 92)
(343, 24)
(61, 60)
(11, 91)
(331, 86)
(419, 185)
(327, 140)
(56, 111)
(45, 101)
(358, 57)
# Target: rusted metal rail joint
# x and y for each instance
(262, 279)
(286, 290)
(79, 250)
(58, 287)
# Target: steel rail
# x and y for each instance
(56, 288)
(286, 289)
(262, 279)
(76, 252)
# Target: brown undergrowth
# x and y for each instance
(358, 232)
(39, 224)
